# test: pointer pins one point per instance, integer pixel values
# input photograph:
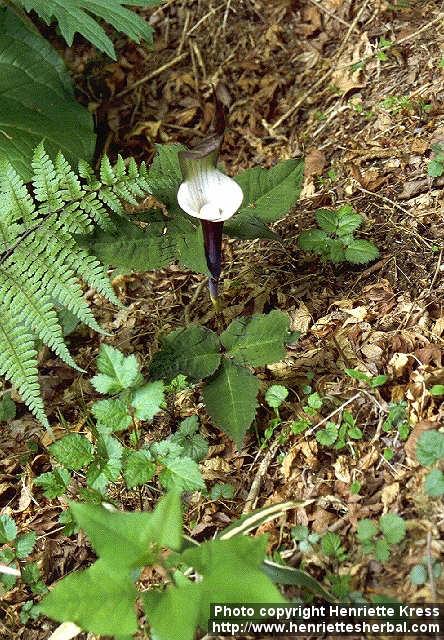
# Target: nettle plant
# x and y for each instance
(379, 538)
(14, 553)
(335, 241)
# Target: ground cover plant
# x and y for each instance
(293, 432)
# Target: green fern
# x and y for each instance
(41, 262)
(74, 16)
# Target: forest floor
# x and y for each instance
(366, 133)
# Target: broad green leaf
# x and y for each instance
(328, 435)
(25, 544)
(367, 529)
(258, 340)
(331, 545)
(270, 193)
(100, 599)
(193, 351)
(314, 400)
(437, 390)
(231, 399)
(188, 239)
(382, 550)
(72, 451)
(336, 251)
(117, 371)
(138, 468)
(361, 252)
(173, 613)
(275, 395)
(393, 527)
(126, 539)
(434, 483)
(148, 400)
(357, 375)
(435, 168)
(107, 463)
(222, 490)
(193, 444)
(430, 447)
(355, 433)
(165, 174)
(315, 240)
(231, 571)
(378, 381)
(37, 100)
(54, 483)
(8, 529)
(181, 474)
(75, 17)
(7, 408)
(111, 413)
(347, 221)
(246, 226)
(166, 448)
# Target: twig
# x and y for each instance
(262, 470)
(328, 12)
(153, 74)
(205, 17)
(430, 567)
(435, 275)
(333, 413)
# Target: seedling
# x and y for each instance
(419, 574)
(397, 419)
(372, 381)
(338, 435)
(334, 240)
(378, 539)
(222, 490)
(383, 46)
(274, 397)
(332, 547)
(304, 538)
(16, 549)
(430, 453)
(436, 164)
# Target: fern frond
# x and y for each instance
(41, 263)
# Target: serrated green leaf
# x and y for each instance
(125, 539)
(193, 444)
(8, 529)
(366, 530)
(331, 544)
(111, 413)
(193, 351)
(25, 544)
(231, 572)
(107, 463)
(327, 220)
(231, 399)
(100, 599)
(336, 251)
(434, 483)
(54, 483)
(355, 433)
(430, 447)
(222, 490)
(357, 375)
(36, 88)
(181, 474)
(117, 371)
(258, 340)
(270, 193)
(314, 400)
(361, 252)
(299, 532)
(328, 435)
(72, 451)
(393, 527)
(75, 17)
(275, 395)
(418, 574)
(148, 400)
(382, 550)
(138, 468)
(347, 221)
(166, 448)
(7, 408)
(315, 240)
(435, 168)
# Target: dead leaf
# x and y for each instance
(315, 162)
(389, 494)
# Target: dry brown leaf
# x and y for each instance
(315, 162)
(342, 469)
(388, 494)
(397, 364)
